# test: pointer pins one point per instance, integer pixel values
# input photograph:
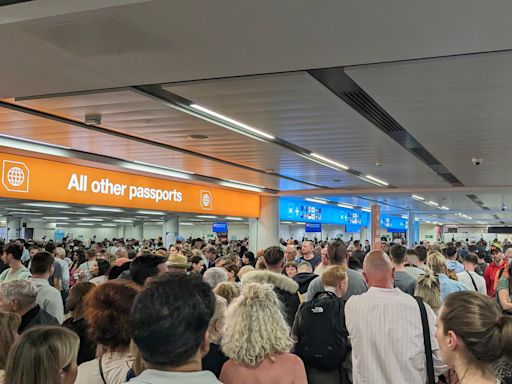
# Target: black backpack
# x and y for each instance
(322, 338)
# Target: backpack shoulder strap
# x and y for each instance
(426, 341)
(101, 371)
(473, 281)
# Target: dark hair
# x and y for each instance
(170, 317)
(195, 259)
(273, 255)
(471, 258)
(354, 263)
(116, 270)
(41, 263)
(478, 321)
(337, 253)
(398, 253)
(145, 266)
(422, 253)
(450, 251)
(103, 267)
(250, 256)
(107, 312)
(15, 250)
(77, 294)
(50, 247)
(231, 267)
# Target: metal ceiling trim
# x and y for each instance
(342, 85)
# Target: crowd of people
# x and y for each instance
(121, 311)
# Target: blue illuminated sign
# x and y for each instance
(351, 228)
(314, 227)
(393, 223)
(220, 227)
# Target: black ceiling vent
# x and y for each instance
(496, 217)
(472, 197)
(372, 110)
(3, 3)
(351, 93)
(425, 155)
(485, 208)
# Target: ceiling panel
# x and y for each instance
(138, 115)
(296, 108)
(458, 108)
(39, 129)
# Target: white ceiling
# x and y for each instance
(55, 46)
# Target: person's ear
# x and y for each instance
(205, 344)
(218, 325)
(406, 259)
(453, 340)
(393, 272)
(365, 277)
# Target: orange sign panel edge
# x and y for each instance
(32, 178)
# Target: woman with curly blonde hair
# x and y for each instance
(257, 340)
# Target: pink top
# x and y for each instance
(286, 369)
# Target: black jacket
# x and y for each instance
(285, 288)
(303, 279)
(36, 316)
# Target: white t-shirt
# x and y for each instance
(465, 279)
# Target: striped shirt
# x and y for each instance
(387, 338)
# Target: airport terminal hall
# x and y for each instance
(255, 192)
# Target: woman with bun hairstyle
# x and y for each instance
(107, 313)
(474, 337)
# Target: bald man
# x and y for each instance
(386, 331)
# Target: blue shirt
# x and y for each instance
(448, 286)
(454, 265)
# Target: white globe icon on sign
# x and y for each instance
(16, 176)
(206, 200)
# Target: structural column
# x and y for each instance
(13, 225)
(375, 227)
(411, 224)
(170, 229)
(138, 230)
(363, 234)
(121, 231)
(264, 232)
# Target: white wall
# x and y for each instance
(428, 230)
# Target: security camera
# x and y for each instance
(477, 161)
(503, 207)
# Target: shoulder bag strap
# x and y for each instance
(473, 281)
(426, 341)
(101, 371)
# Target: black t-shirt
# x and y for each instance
(214, 359)
(314, 261)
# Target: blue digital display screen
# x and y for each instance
(398, 224)
(220, 227)
(351, 228)
(313, 227)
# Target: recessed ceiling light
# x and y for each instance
(206, 216)
(91, 219)
(197, 137)
(186, 223)
(122, 221)
(234, 218)
(56, 218)
(109, 225)
(151, 213)
(104, 209)
(229, 120)
(378, 181)
(48, 205)
(332, 162)
(86, 224)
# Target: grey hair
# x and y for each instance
(24, 291)
(214, 276)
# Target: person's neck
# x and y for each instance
(470, 268)
(469, 373)
(272, 268)
(23, 311)
(498, 263)
(44, 276)
(194, 365)
(78, 313)
(308, 256)
(399, 267)
(15, 265)
(386, 284)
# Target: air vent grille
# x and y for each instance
(496, 217)
(449, 178)
(425, 155)
(485, 208)
(365, 104)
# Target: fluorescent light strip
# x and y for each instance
(155, 169)
(234, 218)
(186, 223)
(23, 210)
(433, 203)
(47, 205)
(25, 213)
(232, 121)
(236, 184)
(90, 219)
(109, 225)
(122, 221)
(206, 216)
(378, 181)
(86, 224)
(417, 197)
(151, 213)
(366, 209)
(56, 218)
(33, 145)
(444, 208)
(332, 162)
(104, 209)
(316, 201)
(345, 206)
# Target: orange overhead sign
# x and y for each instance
(38, 179)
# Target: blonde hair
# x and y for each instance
(40, 354)
(260, 264)
(218, 316)
(9, 323)
(255, 328)
(227, 290)
(244, 270)
(334, 275)
(429, 289)
(436, 262)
